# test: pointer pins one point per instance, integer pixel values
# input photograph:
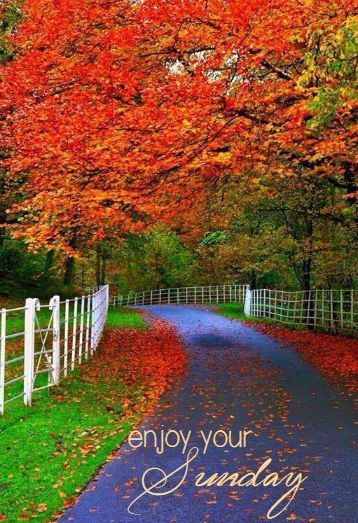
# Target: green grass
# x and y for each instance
(236, 311)
(50, 451)
(231, 310)
(120, 317)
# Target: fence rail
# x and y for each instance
(187, 295)
(332, 310)
(39, 343)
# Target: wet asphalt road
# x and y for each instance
(237, 379)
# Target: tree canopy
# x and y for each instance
(116, 115)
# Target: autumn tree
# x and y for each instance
(120, 114)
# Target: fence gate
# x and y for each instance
(39, 342)
(42, 349)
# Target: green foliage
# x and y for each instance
(214, 238)
(152, 260)
(291, 233)
(10, 14)
(19, 270)
(331, 68)
(23, 273)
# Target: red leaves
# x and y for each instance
(146, 361)
(333, 354)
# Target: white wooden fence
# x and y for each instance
(333, 310)
(40, 343)
(204, 294)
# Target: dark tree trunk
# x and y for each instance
(350, 178)
(306, 287)
(69, 275)
(98, 265)
(103, 271)
(306, 275)
(253, 279)
(49, 260)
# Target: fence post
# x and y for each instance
(247, 306)
(315, 308)
(74, 333)
(107, 298)
(54, 306)
(80, 343)
(2, 359)
(29, 346)
(93, 322)
(65, 343)
(88, 323)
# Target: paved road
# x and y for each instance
(237, 379)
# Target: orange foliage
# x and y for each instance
(123, 112)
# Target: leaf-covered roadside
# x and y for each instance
(70, 433)
(334, 355)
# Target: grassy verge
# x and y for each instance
(236, 311)
(120, 317)
(231, 310)
(48, 452)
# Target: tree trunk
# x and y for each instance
(253, 279)
(98, 265)
(83, 274)
(306, 274)
(49, 260)
(350, 179)
(306, 287)
(103, 270)
(69, 275)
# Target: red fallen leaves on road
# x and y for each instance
(145, 361)
(333, 354)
